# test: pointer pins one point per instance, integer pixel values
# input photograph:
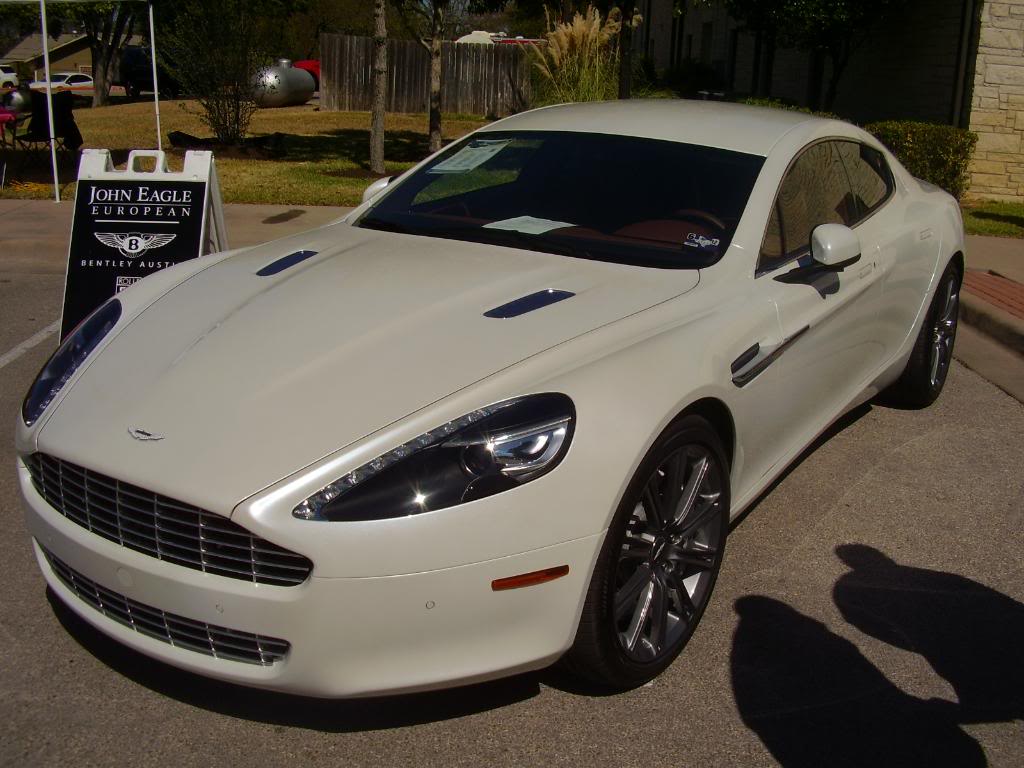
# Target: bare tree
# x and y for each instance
(380, 86)
(429, 20)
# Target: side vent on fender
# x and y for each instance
(529, 303)
(285, 262)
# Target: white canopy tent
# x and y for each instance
(49, 88)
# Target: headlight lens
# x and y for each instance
(68, 357)
(485, 452)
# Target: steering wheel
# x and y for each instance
(689, 214)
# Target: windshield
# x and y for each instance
(624, 199)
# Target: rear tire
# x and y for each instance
(659, 562)
(925, 375)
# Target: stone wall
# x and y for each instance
(997, 106)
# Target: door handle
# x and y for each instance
(754, 360)
(865, 270)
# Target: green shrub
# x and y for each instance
(938, 154)
(779, 104)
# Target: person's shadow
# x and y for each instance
(815, 700)
(972, 636)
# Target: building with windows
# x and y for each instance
(957, 62)
(68, 53)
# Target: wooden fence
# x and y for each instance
(475, 79)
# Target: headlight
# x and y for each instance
(485, 452)
(68, 357)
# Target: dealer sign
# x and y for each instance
(129, 224)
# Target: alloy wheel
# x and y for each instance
(670, 553)
(943, 334)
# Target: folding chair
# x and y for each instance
(34, 141)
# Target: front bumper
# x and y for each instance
(347, 636)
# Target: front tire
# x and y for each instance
(925, 375)
(659, 562)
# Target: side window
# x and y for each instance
(814, 191)
(870, 177)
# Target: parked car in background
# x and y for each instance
(136, 74)
(76, 82)
(312, 66)
(8, 76)
(503, 413)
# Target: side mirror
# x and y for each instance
(835, 247)
(376, 187)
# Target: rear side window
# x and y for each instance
(870, 177)
(815, 191)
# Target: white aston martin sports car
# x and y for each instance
(500, 415)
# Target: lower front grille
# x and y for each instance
(219, 642)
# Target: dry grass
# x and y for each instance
(325, 162)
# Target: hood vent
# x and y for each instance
(529, 303)
(284, 262)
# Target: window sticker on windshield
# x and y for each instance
(693, 240)
(470, 156)
(528, 225)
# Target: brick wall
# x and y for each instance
(997, 106)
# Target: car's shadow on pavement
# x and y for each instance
(327, 715)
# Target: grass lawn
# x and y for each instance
(991, 217)
(325, 162)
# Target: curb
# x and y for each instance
(992, 321)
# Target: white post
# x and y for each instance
(49, 101)
(156, 87)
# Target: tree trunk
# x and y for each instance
(815, 75)
(380, 85)
(435, 78)
(107, 35)
(626, 51)
(755, 75)
(100, 74)
(769, 65)
(840, 58)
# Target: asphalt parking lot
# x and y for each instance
(870, 612)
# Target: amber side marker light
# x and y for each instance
(530, 579)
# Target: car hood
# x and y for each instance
(249, 379)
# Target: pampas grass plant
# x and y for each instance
(580, 61)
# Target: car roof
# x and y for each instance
(737, 127)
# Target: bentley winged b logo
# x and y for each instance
(132, 244)
(142, 434)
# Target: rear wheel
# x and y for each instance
(659, 562)
(925, 375)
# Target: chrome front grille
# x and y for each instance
(163, 527)
(219, 642)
